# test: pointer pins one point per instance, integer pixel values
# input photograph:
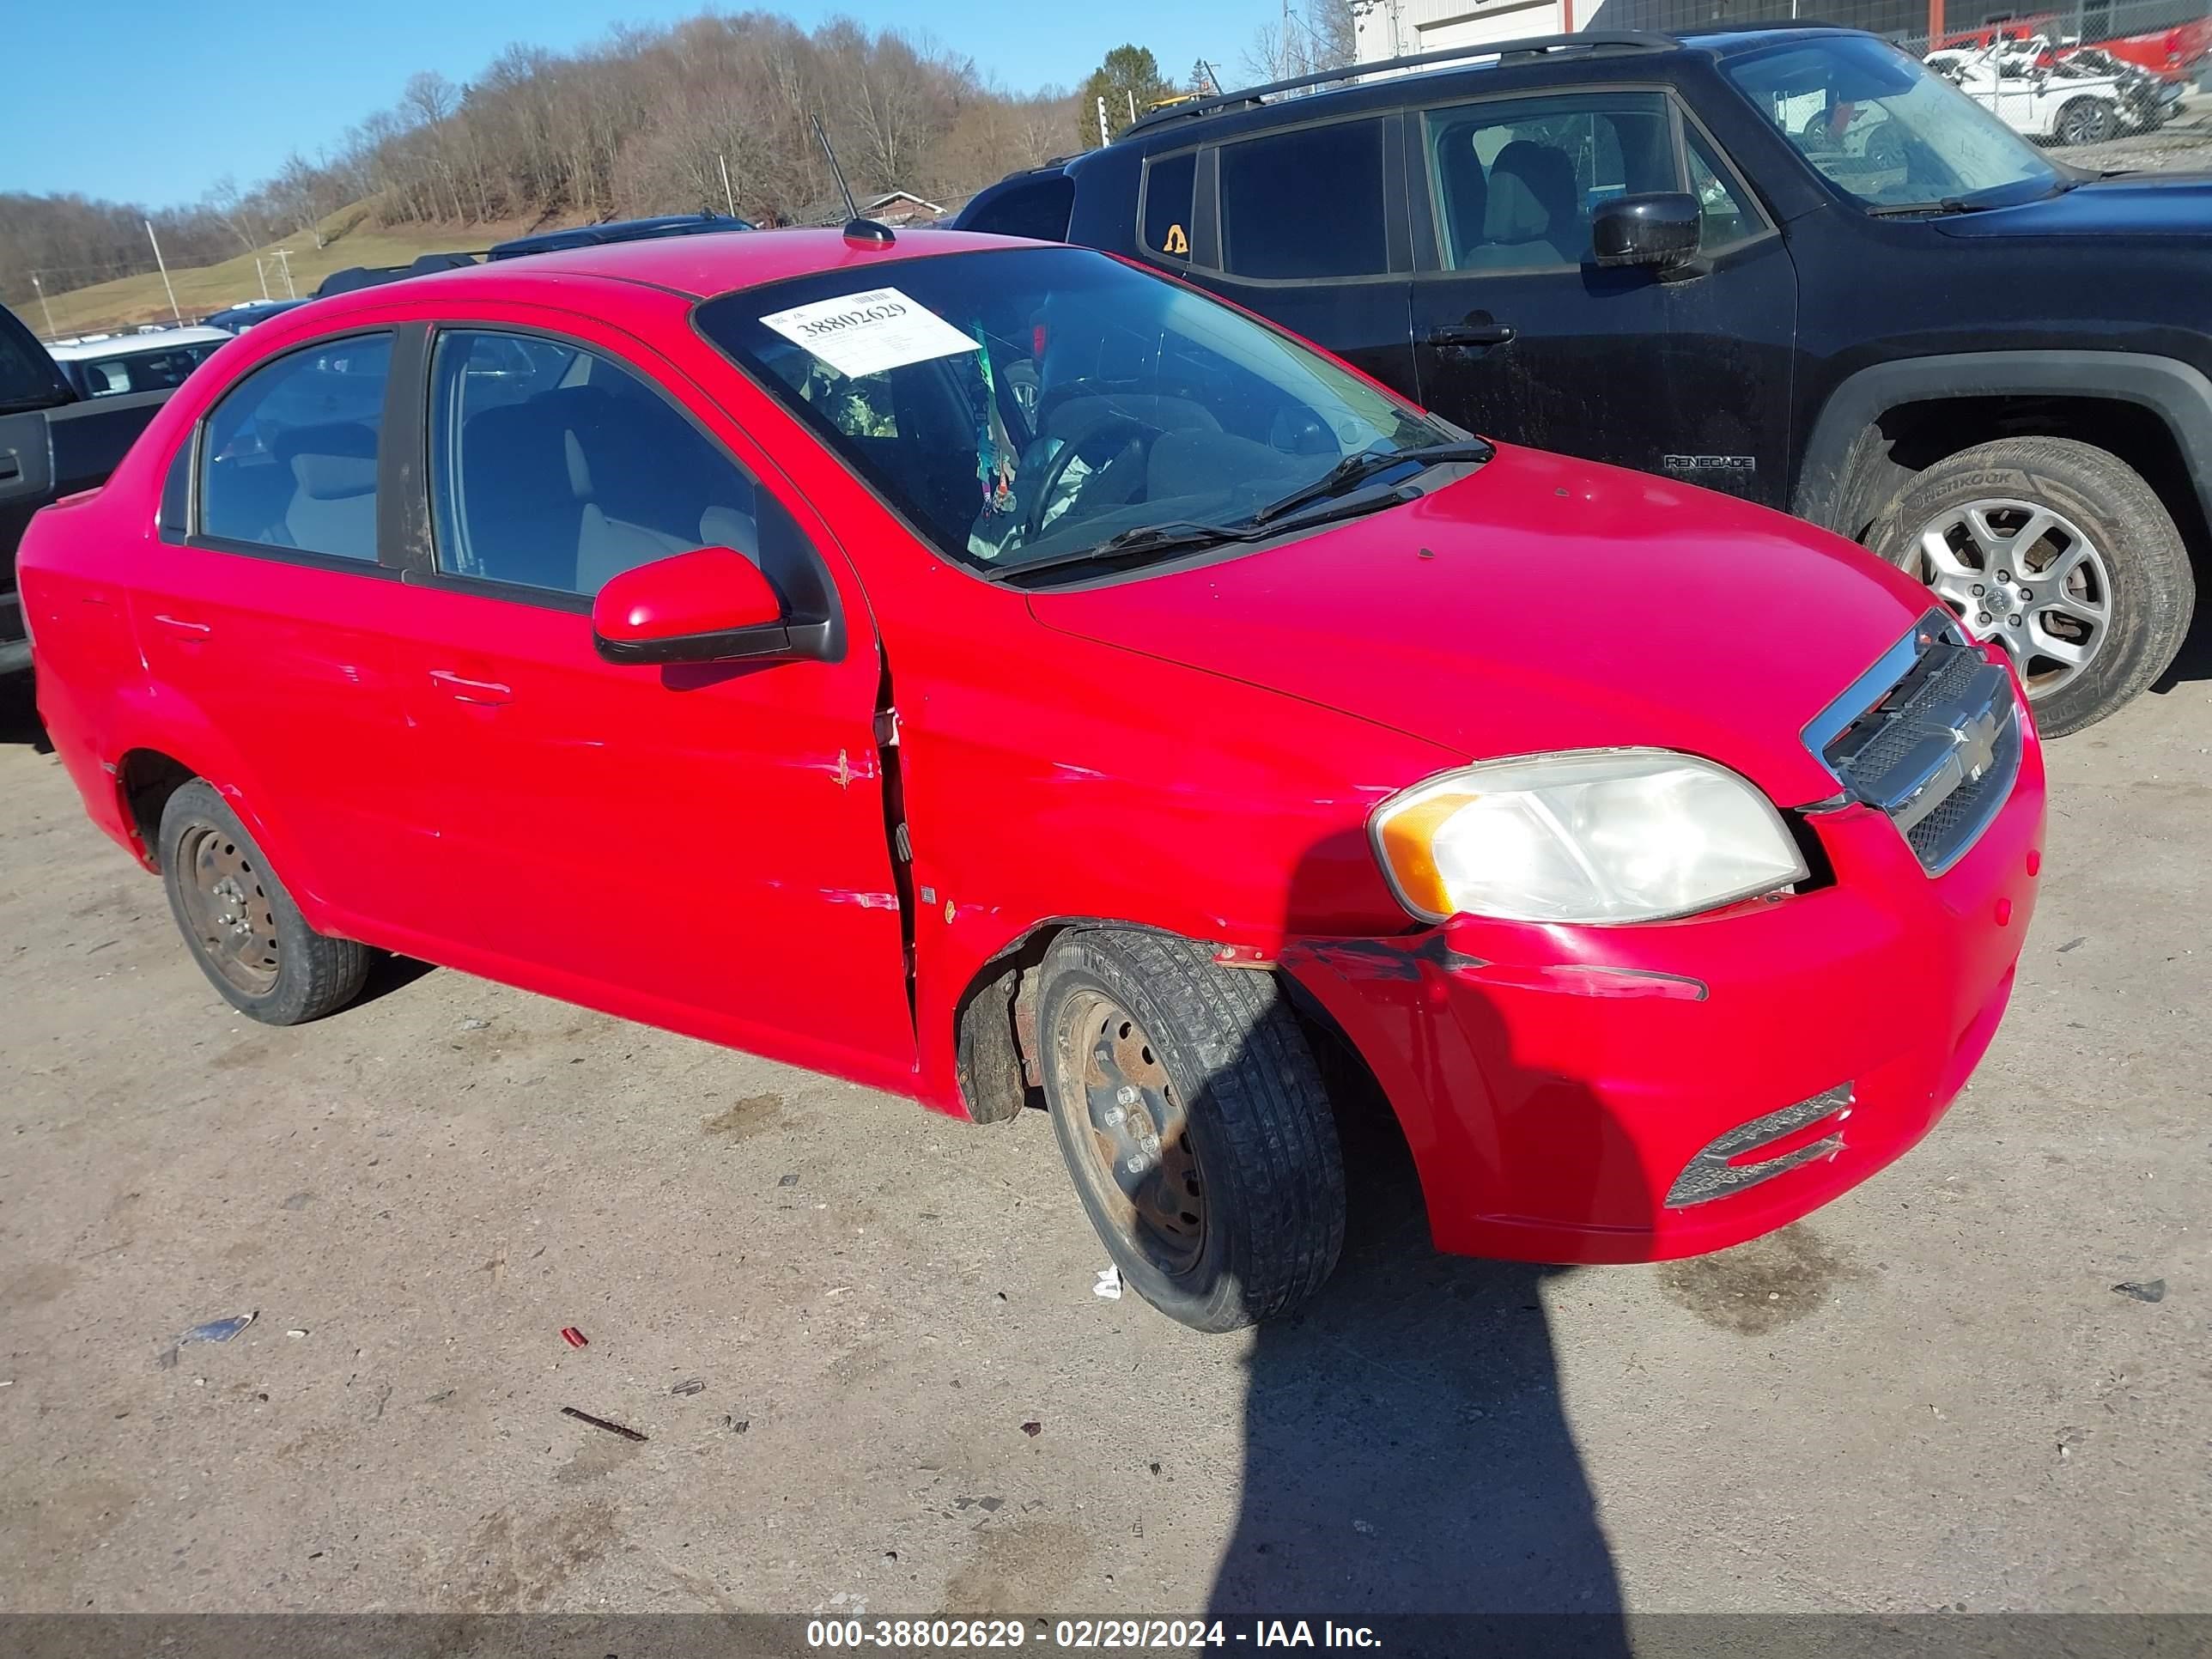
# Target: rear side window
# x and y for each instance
(289, 455)
(1305, 204)
(24, 377)
(1169, 186)
(1038, 208)
(556, 468)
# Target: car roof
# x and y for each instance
(129, 345)
(691, 267)
(1537, 60)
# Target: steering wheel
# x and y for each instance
(1131, 433)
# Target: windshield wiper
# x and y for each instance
(1948, 204)
(1358, 467)
(1183, 535)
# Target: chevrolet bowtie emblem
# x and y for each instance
(1977, 741)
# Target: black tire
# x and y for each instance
(1254, 1116)
(2084, 121)
(2153, 590)
(307, 973)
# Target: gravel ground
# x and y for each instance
(1928, 1396)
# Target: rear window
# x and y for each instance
(1038, 208)
(1304, 204)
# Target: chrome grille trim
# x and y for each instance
(1931, 735)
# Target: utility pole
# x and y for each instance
(164, 265)
(1101, 117)
(1133, 104)
(283, 256)
(261, 273)
(45, 310)
(729, 197)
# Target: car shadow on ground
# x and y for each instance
(2192, 664)
(19, 715)
(1406, 1446)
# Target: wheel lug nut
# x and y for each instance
(2004, 575)
(1136, 1165)
(1126, 1095)
(1983, 617)
(2012, 621)
(1979, 590)
(1113, 1115)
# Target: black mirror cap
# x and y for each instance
(1660, 228)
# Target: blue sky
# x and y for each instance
(152, 100)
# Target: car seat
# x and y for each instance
(1532, 206)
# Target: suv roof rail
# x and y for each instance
(1534, 45)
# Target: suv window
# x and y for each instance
(1725, 218)
(25, 379)
(554, 467)
(1170, 188)
(1514, 180)
(1038, 208)
(1305, 204)
(291, 451)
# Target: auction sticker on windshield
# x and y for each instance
(861, 334)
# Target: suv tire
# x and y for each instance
(1199, 1076)
(241, 926)
(2123, 599)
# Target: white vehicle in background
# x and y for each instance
(2056, 99)
(157, 360)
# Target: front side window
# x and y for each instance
(1725, 215)
(1516, 180)
(556, 468)
(289, 455)
(1021, 406)
(1887, 129)
(1305, 204)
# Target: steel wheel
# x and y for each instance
(1142, 1166)
(2025, 576)
(228, 910)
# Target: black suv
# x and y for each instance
(1788, 263)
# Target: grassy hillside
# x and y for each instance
(353, 242)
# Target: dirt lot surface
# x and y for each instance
(1928, 1396)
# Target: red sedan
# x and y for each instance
(988, 672)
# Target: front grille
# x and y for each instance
(1934, 741)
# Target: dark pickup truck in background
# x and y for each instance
(52, 443)
(1791, 264)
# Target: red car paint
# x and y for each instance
(464, 778)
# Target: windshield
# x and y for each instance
(1889, 130)
(1020, 406)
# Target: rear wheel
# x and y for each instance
(243, 929)
(2060, 552)
(1192, 1117)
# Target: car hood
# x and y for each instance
(1541, 604)
(2134, 204)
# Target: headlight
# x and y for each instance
(1603, 835)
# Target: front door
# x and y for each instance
(1520, 335)
(701, 847)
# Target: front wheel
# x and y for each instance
(2060, 552)
(1192, 1117)
(247, 936)
(2086, 121)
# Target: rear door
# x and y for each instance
(261, 614)
(1305, 225)
(1520, 335)
(702, 847)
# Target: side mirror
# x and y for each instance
(1659, 230)
(711, 604)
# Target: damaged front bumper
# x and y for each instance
(1579, 1094)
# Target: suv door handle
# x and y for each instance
(1470, 334)
(489, 693)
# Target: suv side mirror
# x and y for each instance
(711, 604)
(1659, 230)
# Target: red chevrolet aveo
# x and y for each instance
(986, 671)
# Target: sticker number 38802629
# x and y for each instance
(867, 333)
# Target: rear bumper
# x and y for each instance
(1556, 1083)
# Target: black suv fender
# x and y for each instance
(1846, 475)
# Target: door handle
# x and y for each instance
(489, 693)
(1470, 334)
(191, 630)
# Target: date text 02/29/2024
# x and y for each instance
(1083, 1634)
